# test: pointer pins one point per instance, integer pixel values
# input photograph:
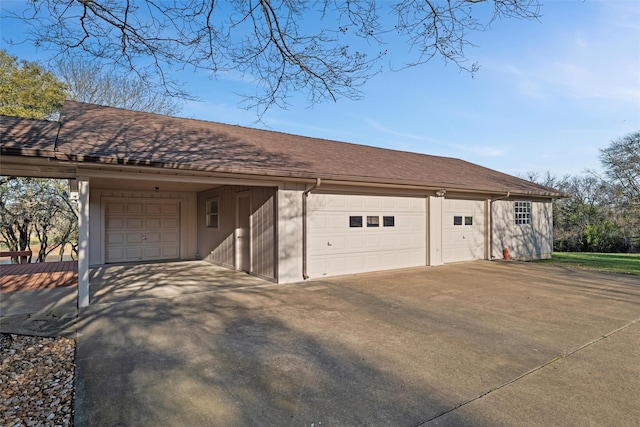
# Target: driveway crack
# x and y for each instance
(526, 374)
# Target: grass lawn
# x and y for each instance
(612, 263)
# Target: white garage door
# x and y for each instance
(142, 230)
(462, 230)
(356, 233)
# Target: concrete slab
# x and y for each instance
(43, 312)
(37, 301)
(412, 347)
(597, 385)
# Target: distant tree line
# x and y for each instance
(38, 207)
(603, 212)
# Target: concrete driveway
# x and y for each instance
(477, 344)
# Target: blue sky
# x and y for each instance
(549, 94)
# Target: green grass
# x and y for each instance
(611, 263)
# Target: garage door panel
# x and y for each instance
(134, 238)
(153, 237)
(134, 208)
(353, 202)
(389, 241)
(134, 223)
(115, 223)
(362, 263)
(141, 230)
(360, 249)
(115, 238)
(133, 253)
(153, 208)
(152, 252)
(115, 207)
(356, 243)
(115, 254)
(372, 202)
(153, 222)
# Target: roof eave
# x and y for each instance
(337, 179)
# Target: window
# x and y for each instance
(355, 221)
(388, 221)
(212, 213)
(468, 220)
(457, 220)
(373, 221)
(523, 213)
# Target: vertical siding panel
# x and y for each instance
(218, 245)
(262, 238)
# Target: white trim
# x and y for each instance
(83, 242)
(173, 176)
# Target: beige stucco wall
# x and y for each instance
(525, 242)
(218, 244)
(97, 213)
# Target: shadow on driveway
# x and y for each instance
(466, 344)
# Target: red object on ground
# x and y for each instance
(505, 254)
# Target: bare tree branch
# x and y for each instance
(327, 49)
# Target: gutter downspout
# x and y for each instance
(305, 195)
(491, 222)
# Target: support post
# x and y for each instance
(83, 242)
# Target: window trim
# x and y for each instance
(210, 215)
(522, 212)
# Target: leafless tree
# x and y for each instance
(40, 206)
(89, 82)
(621, 161)
(326, 49)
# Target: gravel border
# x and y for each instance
(36, 380)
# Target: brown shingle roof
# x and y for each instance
(116, 136)
(28, 137)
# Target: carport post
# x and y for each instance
(83, 242)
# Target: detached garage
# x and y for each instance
(280, 206)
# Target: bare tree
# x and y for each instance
(326, 49)
(40, 206)
(89, 82)
(621, 161)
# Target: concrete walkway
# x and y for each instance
(478, 344)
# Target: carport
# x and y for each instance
(117, 283)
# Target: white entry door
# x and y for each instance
(463, 230)
(142, 230)
(243, 233)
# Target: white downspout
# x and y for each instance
(491, 222)
(305, 195)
